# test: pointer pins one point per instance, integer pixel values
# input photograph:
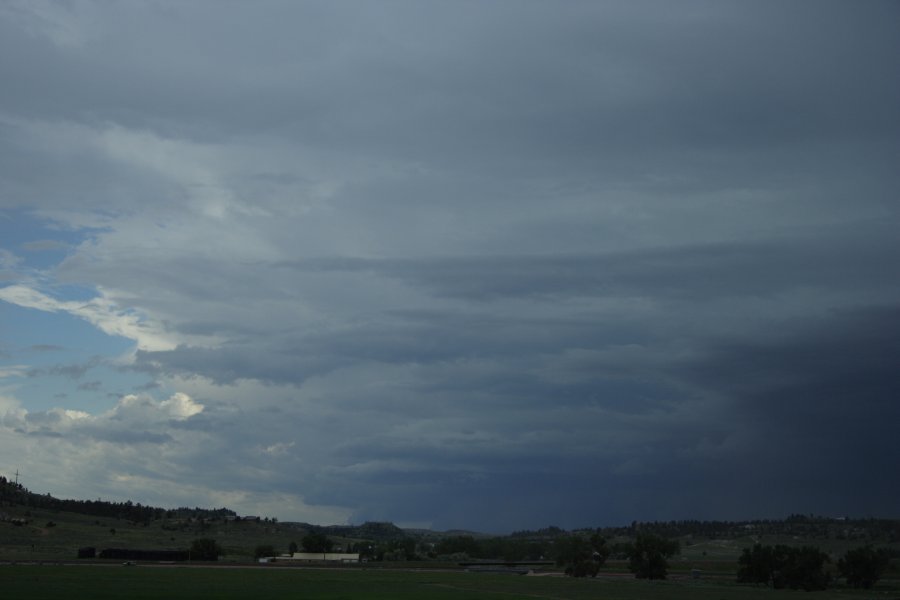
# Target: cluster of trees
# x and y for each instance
(864, 566)
(505, 548)
(545, 532)
(400, 549)
(648, 558)
(316, 542)
(205, 549)
(783, 566)
(581, 556)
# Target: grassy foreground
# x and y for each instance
(145, 582)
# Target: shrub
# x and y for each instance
(782, 566)
(205, 549)
(863, 566)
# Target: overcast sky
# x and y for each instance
(474, 264)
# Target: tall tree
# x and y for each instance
(863, 566)
(648, 556)
(581, 556)
(804, 569)
(760, 563)
(205, 549)
(783, 566)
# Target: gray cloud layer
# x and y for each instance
(471, 264)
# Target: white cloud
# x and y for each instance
(144, 411)
(9, 404)
(105, 455)
(181, 406)
(8, 260)
(132, 414)
(279, 449)
(101, 312)
(13, 370)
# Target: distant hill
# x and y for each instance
(807, 527)
(370, 530)
(16, 495)
(41, 527)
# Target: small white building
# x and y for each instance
(341, 557)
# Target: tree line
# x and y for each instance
(805, 526)
(783, 566)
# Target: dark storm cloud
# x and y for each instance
(124, 437)
(706, 271)
(475, 264)
(232, 363)
(816, 379)
(796, 409)
(813, 402)
(581, 78)
(602, 370)
(413, 337)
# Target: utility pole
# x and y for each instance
(17, 477)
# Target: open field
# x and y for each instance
(261, 583)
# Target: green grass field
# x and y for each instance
(261, 583)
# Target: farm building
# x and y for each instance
(340, 557)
